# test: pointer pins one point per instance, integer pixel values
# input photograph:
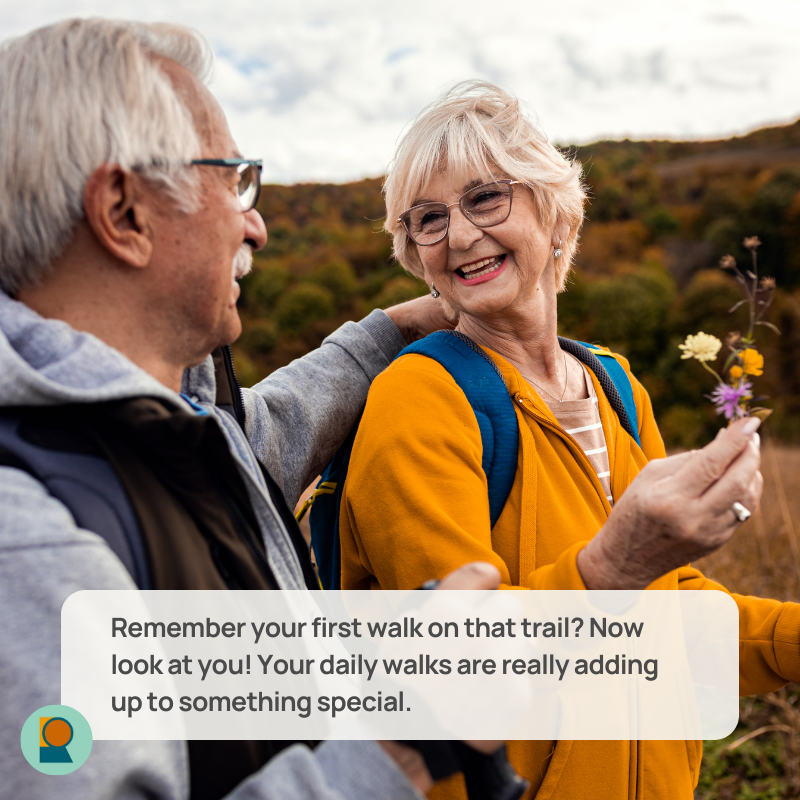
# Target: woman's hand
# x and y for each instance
(677, 510)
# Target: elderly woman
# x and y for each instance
(487, 212)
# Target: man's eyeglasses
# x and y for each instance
(249, 186)
(484, 206)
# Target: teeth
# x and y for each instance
(480, 268)
(479, 265)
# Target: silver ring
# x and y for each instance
(741, 512)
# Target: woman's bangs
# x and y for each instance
(467, 155)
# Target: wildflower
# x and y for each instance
(701, 346)
(753, 364)
(732, 339)
(733, 394)
(752, 242)
(728, 399)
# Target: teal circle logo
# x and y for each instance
(56, 740)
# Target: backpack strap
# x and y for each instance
(85, 483)
(612, 378)
(483, 385)
(325, 505)
(229, 399)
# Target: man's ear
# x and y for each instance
(119, 215)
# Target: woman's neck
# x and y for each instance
(530, 343)
(528, 338)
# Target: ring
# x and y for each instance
(741, 512)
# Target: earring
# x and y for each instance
(434, 293)
(558, 252)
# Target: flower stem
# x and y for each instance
(713, 372)
(752, 298)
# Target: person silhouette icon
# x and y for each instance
(55, 733)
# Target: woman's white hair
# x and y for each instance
(477, 128)
(74, 96)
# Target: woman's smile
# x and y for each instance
(481, 271)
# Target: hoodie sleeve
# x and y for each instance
(44, 558)
(299, 416)
(769, 636)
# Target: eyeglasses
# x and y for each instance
(484, 206)
(249, 186)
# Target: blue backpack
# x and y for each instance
(480, 380)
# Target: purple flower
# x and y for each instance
(727, 399)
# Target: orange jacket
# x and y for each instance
(415, 507)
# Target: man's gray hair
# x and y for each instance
(74, 96)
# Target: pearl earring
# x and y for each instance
(558, 252)
(434, 293)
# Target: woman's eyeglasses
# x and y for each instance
(249, 186)
(484, 206)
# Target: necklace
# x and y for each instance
(566, 381)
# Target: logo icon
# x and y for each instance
(56, 740)
(55, 733)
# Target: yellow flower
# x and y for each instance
(701, 346)
(753, 362)
(736, 372)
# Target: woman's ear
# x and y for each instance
(560, 233)
(118, 210)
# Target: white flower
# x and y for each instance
(701, 346)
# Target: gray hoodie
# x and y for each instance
(296, 419)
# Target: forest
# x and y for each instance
(660, 217)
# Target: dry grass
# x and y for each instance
(761, 759)
(763, 558)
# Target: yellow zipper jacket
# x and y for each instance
(415, 507)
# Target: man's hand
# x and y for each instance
(417, 318)
(411, 763)
(677, 510)
(476, 575)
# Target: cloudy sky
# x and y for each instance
(321, 90)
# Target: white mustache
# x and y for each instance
(242, 262)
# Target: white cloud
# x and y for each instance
(322, 90)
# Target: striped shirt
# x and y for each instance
(581, 420)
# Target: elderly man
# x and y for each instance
(126, 213)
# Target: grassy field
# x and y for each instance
(761, 758)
